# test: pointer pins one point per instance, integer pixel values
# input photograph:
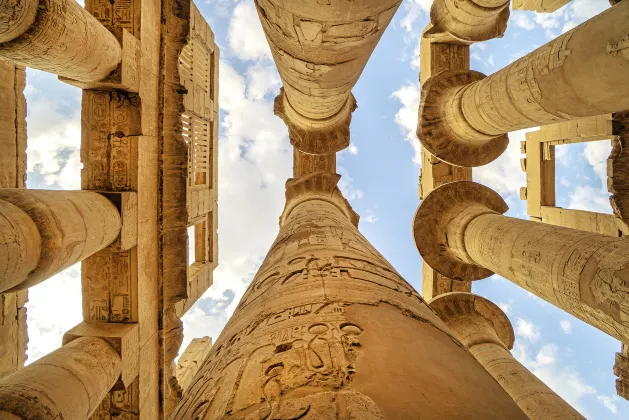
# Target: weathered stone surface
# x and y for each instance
(320, 49)
(486, 331)
(68, 383)
(191, 360)
(583, 273)
(464, 116)
(541, 6)
(325, 330)
(58, 36)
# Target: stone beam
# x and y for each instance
(68, 383)
(460, 231)
(465, 22)
(320, 49)
(58, 36)
(540, 6)
(487, 333)
(464, 116)
(45, 232)
(328, 329)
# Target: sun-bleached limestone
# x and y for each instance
(49, 231)
(486, 331)
(540, 6)
(460, 232)
(464, 116)
(320, 49)
(60, 37)
(328, 328)
(68, 383)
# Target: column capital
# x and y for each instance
(474, 319)
(316, 136)
(466, 22)
(439, 225)
(444, 130)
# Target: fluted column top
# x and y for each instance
(474, 319)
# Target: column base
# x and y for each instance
(461, 200)
(435, 128)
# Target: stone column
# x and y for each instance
(57, 36)
(45, 232)
(320, 49)
(328, 329)
(464, 116)
(465, 22)
(486, 331)
(460, 232)
(67, 384)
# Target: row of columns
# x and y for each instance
(464, 118)
(43, 232)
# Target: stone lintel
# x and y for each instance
(540, 6)
(443, 129)
(123, 338)
(440, 222)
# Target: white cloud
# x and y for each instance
(413, 11)
(504, 175)
(522, 20)
(53, 307)
(566, 326)
(585, 197)
(246, 37)
(506, 307)
(352, 149)
(609, 402)
(596, 154)
(551, 369)
(406, 117)
(527, 330)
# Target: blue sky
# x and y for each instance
(380, 177)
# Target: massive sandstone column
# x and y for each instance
(461, 233)
(329, 330)
(464, 116)
(486, 331)
(43, 232)
(57, 36)
(67, 384)
(320, 49)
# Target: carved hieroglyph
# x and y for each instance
(320, 49)
(486, 331)
(13, 337)
(58, 36)
(460, 232)
(464, 116)
(329, 330)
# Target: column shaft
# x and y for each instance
(68, 383)
(320, 49)
(60, 37)
(532, 395)
(464, 116)
(583, 273)
(45, 232)
(325, 331)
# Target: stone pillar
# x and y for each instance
(460, 232)
(465, 22)
(328, 329)
(320, 49)
(464, 116)
(45, 232)
(486, 331)
(58, 36)
(68, 383)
